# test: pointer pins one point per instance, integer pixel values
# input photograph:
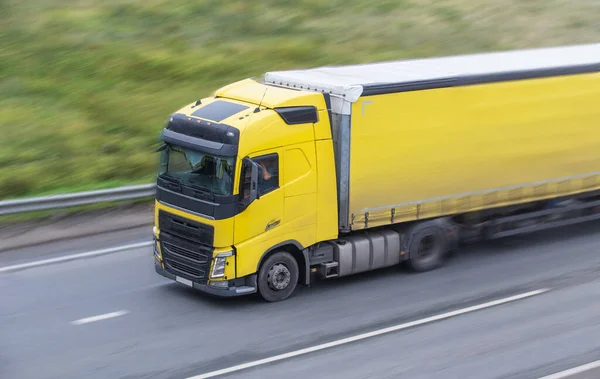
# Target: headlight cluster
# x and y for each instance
(218, 270)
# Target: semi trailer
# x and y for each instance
(332, 171)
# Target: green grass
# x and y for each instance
(86, 86)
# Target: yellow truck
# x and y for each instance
(332, 171)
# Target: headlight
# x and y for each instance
(218, 270)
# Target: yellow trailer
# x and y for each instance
(373, 165)
(465, 148)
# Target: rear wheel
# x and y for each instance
(278, 277)
(427, 247)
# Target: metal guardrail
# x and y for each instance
(42, 203)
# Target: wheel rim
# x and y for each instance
(279, 277)
(427, 247)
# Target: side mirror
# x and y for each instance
(249, 191)
(253, 182)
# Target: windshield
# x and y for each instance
(196, 169)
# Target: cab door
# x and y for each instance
(257, 228)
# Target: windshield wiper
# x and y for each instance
(201, 188)
(169, 179)
(172, 183)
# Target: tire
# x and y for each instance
(427, 247)
(278, 277)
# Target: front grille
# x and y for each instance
(195, 256)
(184, 228)
(186, 258)
(184, 270)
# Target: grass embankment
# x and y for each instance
(86, 86)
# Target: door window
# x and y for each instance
(268, 175)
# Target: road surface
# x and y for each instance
(111, 316)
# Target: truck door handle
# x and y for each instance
(272, 224)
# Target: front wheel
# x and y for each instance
(278, 277)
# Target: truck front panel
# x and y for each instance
(188, 244)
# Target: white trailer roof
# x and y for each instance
(352, 81)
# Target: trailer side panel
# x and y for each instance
(423, 154)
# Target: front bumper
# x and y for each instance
(221, 292)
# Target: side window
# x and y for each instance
(268, 173)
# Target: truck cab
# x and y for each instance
(247, 182)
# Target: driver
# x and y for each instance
(268, 167)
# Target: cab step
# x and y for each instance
(328, 270)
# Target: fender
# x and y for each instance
(301, 249)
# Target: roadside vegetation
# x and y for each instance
(86, 86)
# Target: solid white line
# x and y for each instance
(105, 316)
(368, 335)
(75, 256)
(573, 371)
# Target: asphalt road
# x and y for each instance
(149, 327)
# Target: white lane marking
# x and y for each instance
(573, 371)
(369, 334)
(66, 258)
(105, 316)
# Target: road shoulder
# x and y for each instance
(29, 234)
